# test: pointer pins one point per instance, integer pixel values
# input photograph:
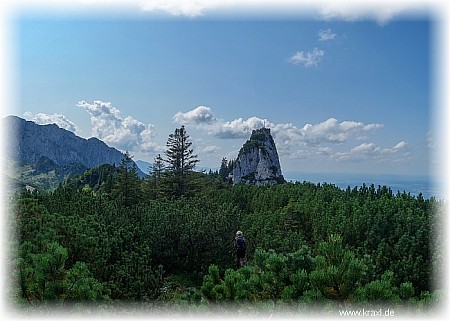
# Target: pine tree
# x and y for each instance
(181, 161)
(338, 272)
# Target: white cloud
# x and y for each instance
(326, 35)
(369, 151)
(192, 8)
(238, 128)
(123, 133)
(58, 119)
(364, 148)
(354, 11)
(400, 145)
(202, 117)
(308, 59)
(212, 149)
(199, 115)
(381, 11)
(188, 8)
(329, 140)
(329, 131)
(323, 140)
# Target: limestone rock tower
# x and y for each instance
(257, 162)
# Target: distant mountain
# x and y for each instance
(143, 165)
(257, 162)
(48, 148)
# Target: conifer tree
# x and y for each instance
(154, 182)
(127, 189)
(338, 272)
(158, 167)
(181, 161)
(224, 170)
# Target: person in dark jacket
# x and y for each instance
(240, 249)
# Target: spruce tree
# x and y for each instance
(181, 161)
(224, 171)
(158, 167)
(155, 178)
(127, 188)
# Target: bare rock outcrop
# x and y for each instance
(258, 162)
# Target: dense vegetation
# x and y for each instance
(108, 240)
(44, 174)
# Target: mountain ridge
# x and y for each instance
(28, 142)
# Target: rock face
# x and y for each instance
(28, 142)
(257, 162)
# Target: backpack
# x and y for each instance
(240, 244)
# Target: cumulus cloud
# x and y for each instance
(329, 131)
(238, 128)
(369, 151)
(58, 119)
(187, 8)
(182, 7)
(307, 59)
(380, 11)
(326, 35)
(400, 145)
(202, 117)
(123, 133)
(292, 141)
(330, 139)
(212, 149)
(199, 115)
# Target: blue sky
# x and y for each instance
(340, 95)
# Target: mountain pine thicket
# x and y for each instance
(108, 241)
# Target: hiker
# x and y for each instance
(240, 249)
